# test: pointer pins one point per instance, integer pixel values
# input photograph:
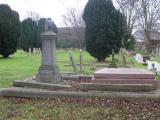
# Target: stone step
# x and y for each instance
(124, 76)
(124, 73)
(47, 94)
(33, 84)
(124, 81)
(117, 87)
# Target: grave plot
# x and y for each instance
(121, 79)
(49, 83)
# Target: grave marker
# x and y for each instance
(73, 61)
(34, 51)
(49, 71)
(157, 52)
(158, 68)
(139, 58)
(113, 63)
(30, 52)
(81, 60)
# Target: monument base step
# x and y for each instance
(23, 92)
(40, 85)
(117, 87)
(124, 81)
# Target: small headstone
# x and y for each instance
(39, 51)
(73, 61)
(34, 51)
(113, 63)
(157, 52)
(139, 58)
(152, 52)
(152, 65)
(81, 60)
(30, 52)
(158, 68)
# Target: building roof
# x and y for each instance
(139, 35)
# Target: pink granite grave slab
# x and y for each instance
(124, 73)
(124, 81)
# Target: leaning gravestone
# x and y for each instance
(73, 62)
(49, 71)
(81, 60)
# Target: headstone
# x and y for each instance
(30, 52)
(81, 60)
(139, 58)
(73, 61)
(113, 63)
(152, 65)
(158, 69)
(152, 52)
(157, 52)
(48, 72)
(34, 51)
(39, 51)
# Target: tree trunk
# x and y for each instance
(5, 56)
(148, 48)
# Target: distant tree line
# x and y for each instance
(19, 35)
(30, 33)
(106, 27)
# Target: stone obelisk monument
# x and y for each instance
(48, 71)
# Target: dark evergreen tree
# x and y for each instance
(29, 34)
(9, 30)
(105, 27)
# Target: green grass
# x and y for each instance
(20, 66)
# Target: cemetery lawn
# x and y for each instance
(20, 66)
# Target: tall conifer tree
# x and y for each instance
(9, 30)
(105, 27)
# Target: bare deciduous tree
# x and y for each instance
(148, 18)
(33, 15)
(73, 19)
(127, 7)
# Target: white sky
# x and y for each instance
(45, 8)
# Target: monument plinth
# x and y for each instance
(48, 71)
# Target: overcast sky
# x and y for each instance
(45, 8)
